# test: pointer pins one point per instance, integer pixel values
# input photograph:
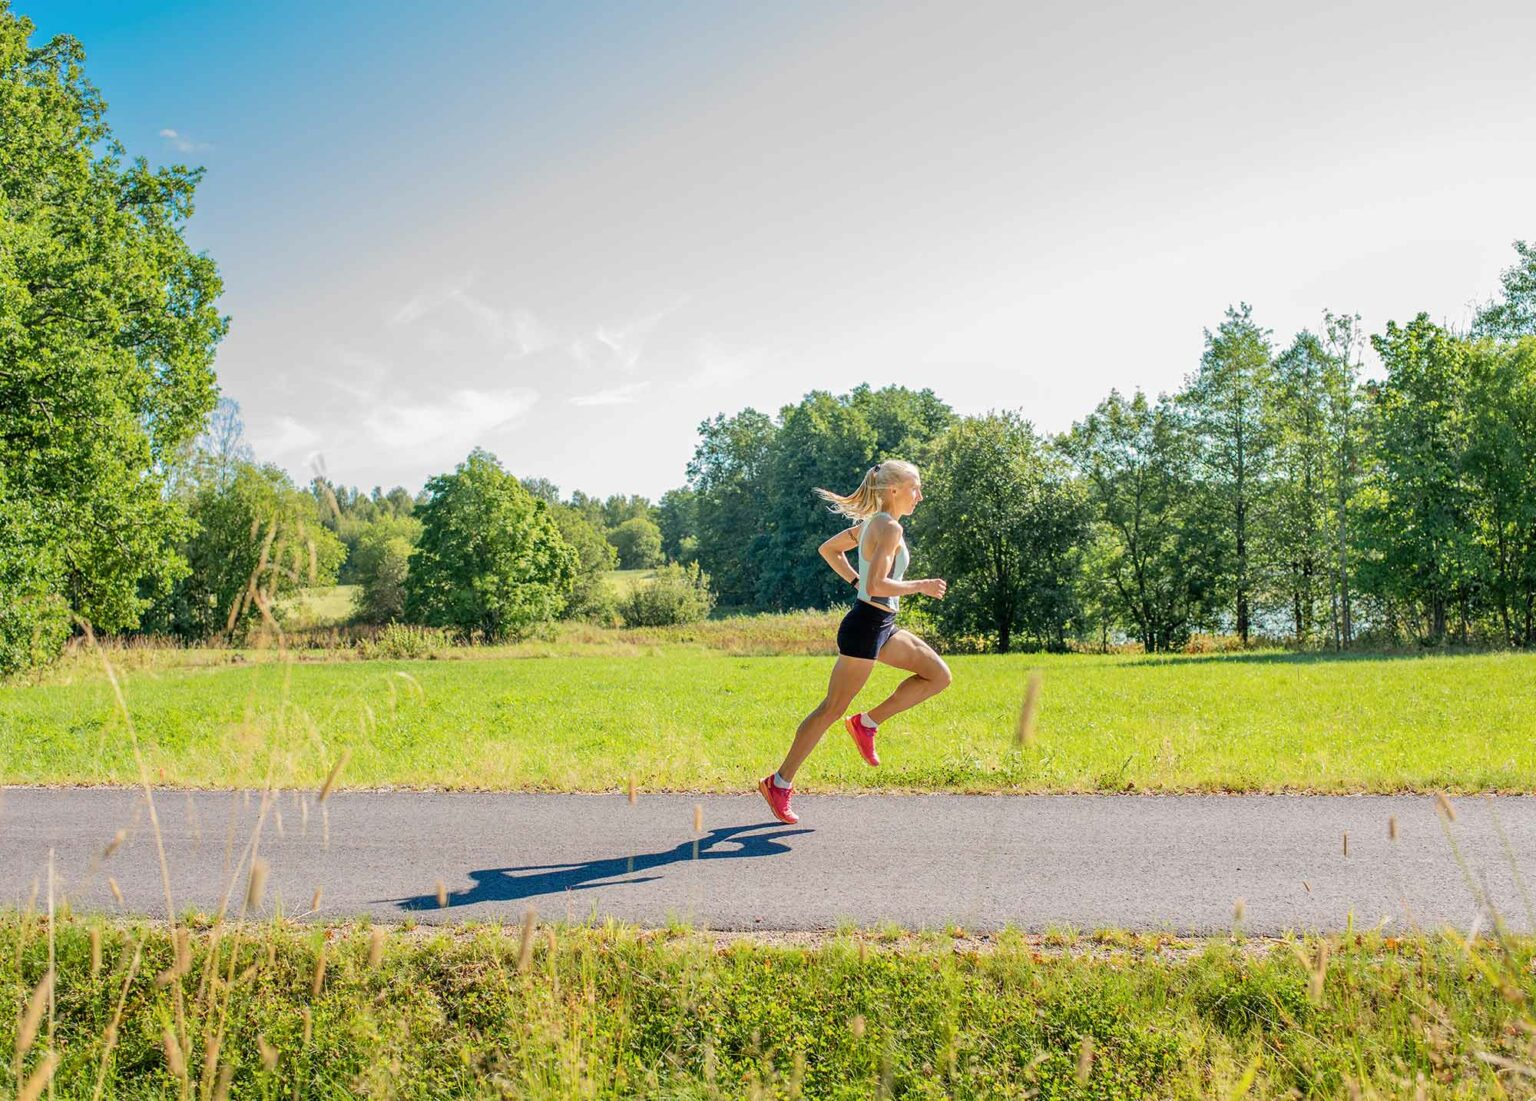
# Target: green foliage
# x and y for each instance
(1136, 459)
(257, 538)
(1225, 401)
(1514, 314)
(107, 334)
(491, 560)
(677, 594)
(726, 472)
(638, 543)
(591, 598)
(380, 565)
(1002, 516)
(401, 641)
(677, 514)
(1422, 540)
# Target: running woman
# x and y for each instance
(868, 632)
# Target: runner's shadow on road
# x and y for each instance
(533, 880)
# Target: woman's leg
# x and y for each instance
(930, 675)
(848, 676)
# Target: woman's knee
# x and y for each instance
(940, 675)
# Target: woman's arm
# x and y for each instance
(884, 537)
(835, 551)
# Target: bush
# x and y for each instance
(401, 640)
(638, 542)
(677, 594)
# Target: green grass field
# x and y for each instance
(619, 1012)
(324, 607)
(624, 582)
(686, 717)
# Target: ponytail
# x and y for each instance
(864, 502)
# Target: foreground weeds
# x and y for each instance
(539, 1011)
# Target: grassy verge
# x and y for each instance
(678, 716)
(617, 1012)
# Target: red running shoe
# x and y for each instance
(778, 799)
(863, 737)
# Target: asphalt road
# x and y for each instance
(1176, 863)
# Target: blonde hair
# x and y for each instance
(864, 502)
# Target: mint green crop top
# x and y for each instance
(898, 568)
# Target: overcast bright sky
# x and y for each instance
(570, 232)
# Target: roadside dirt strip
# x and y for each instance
(1187, 864)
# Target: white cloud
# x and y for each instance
(517, 330)
(183, 143)
(459, 420)
(619, 395)
(284, 437)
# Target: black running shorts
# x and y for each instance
(864, 630)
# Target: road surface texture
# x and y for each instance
(1175, 863)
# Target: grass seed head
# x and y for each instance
(116, 843)
(1443, 805)
(857, 1026)
(525, 954)
(173, 1056)
(268, 1053)
(256, 885)
(330, 779)
(633, 794)
(117, 892)
(319, 981)
(95, 951)
(33, 1089)
(221, 1087)
(314, 902)
(698, 818)
(1346, 842)
(1084, 1060)
(1392, 827)
(442, 894)
(376, 946)
(27, 1031)
(1238, 910)
(1025, 734)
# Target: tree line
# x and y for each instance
(1278, 493)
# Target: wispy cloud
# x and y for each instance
(283, 437)
(458, 420)
(183, 143)
(620, 345)
(618, 395)
(516, 330)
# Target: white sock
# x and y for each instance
(867, 721)
(780, 782)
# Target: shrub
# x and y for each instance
(677, 594)
(402, 640)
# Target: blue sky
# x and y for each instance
(570, 232)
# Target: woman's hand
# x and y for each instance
(933, 586)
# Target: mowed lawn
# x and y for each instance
(680, 718)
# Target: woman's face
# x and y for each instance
(905, 496)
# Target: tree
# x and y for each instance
(726, 473)
(1136, 459)
(1300, 551)
(381, 564)
(1514, 314)
(1343, 426)
(107, 333)
(1004, 523)
(491, 560)
(638, 543)
(1225, 401)
(256, 538)
(677, 594)
(1421, 519)
(1501, 470)
(677, 514)
(591, 599)
(618, 508)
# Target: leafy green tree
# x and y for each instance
(1137, 461)
(491, 560)
(638, 543)
(381, 564)
(1003, 522)
(904, 421)
(677, 514)
(726, 472)
(619, 508)
(591, 599)
(543, 489)
(107, 333)
(1501, 470)
(1512, 315)
(1422, 529)
(1225, 403)
(822, 441)
(1299, 497)
(256, 538)
(1344, 427)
